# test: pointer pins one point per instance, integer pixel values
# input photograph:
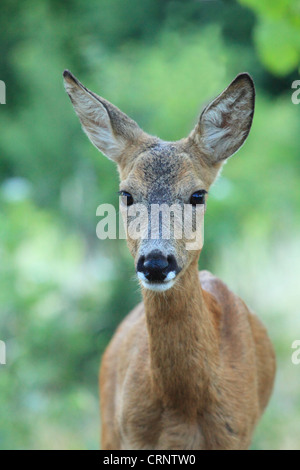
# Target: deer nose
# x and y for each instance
(156, 266)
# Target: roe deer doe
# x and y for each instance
(191, 367)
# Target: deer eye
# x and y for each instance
(126, 198)
(198, 197)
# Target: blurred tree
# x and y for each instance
(276, 34)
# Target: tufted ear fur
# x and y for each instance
(225, 123)
(110, 130)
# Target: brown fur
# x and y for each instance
(190, 367)
(187, 371)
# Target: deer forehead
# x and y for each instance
(162, 172)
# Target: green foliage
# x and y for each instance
(62, 291)
(277, 34)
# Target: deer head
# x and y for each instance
(155, 172)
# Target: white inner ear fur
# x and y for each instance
(225, 123)
(95, 121)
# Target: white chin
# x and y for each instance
(158, 287)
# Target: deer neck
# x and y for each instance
(183, 342)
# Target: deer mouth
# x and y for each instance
(158, 286)
(157, 271)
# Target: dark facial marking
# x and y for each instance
(160, 170)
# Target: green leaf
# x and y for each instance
(278, 45)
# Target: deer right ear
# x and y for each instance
(110, 130)
(225, 123)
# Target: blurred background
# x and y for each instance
(63, 291)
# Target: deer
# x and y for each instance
(191, 367)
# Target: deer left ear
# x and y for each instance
(110, 130)
(225, 123)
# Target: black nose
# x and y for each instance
(155, 266)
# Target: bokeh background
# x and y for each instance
(62, 291)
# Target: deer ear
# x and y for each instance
(225, 123)
(110, 130)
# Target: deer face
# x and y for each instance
(163, 177)
(156, 175)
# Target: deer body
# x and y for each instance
(190, 371)
(191, 367)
